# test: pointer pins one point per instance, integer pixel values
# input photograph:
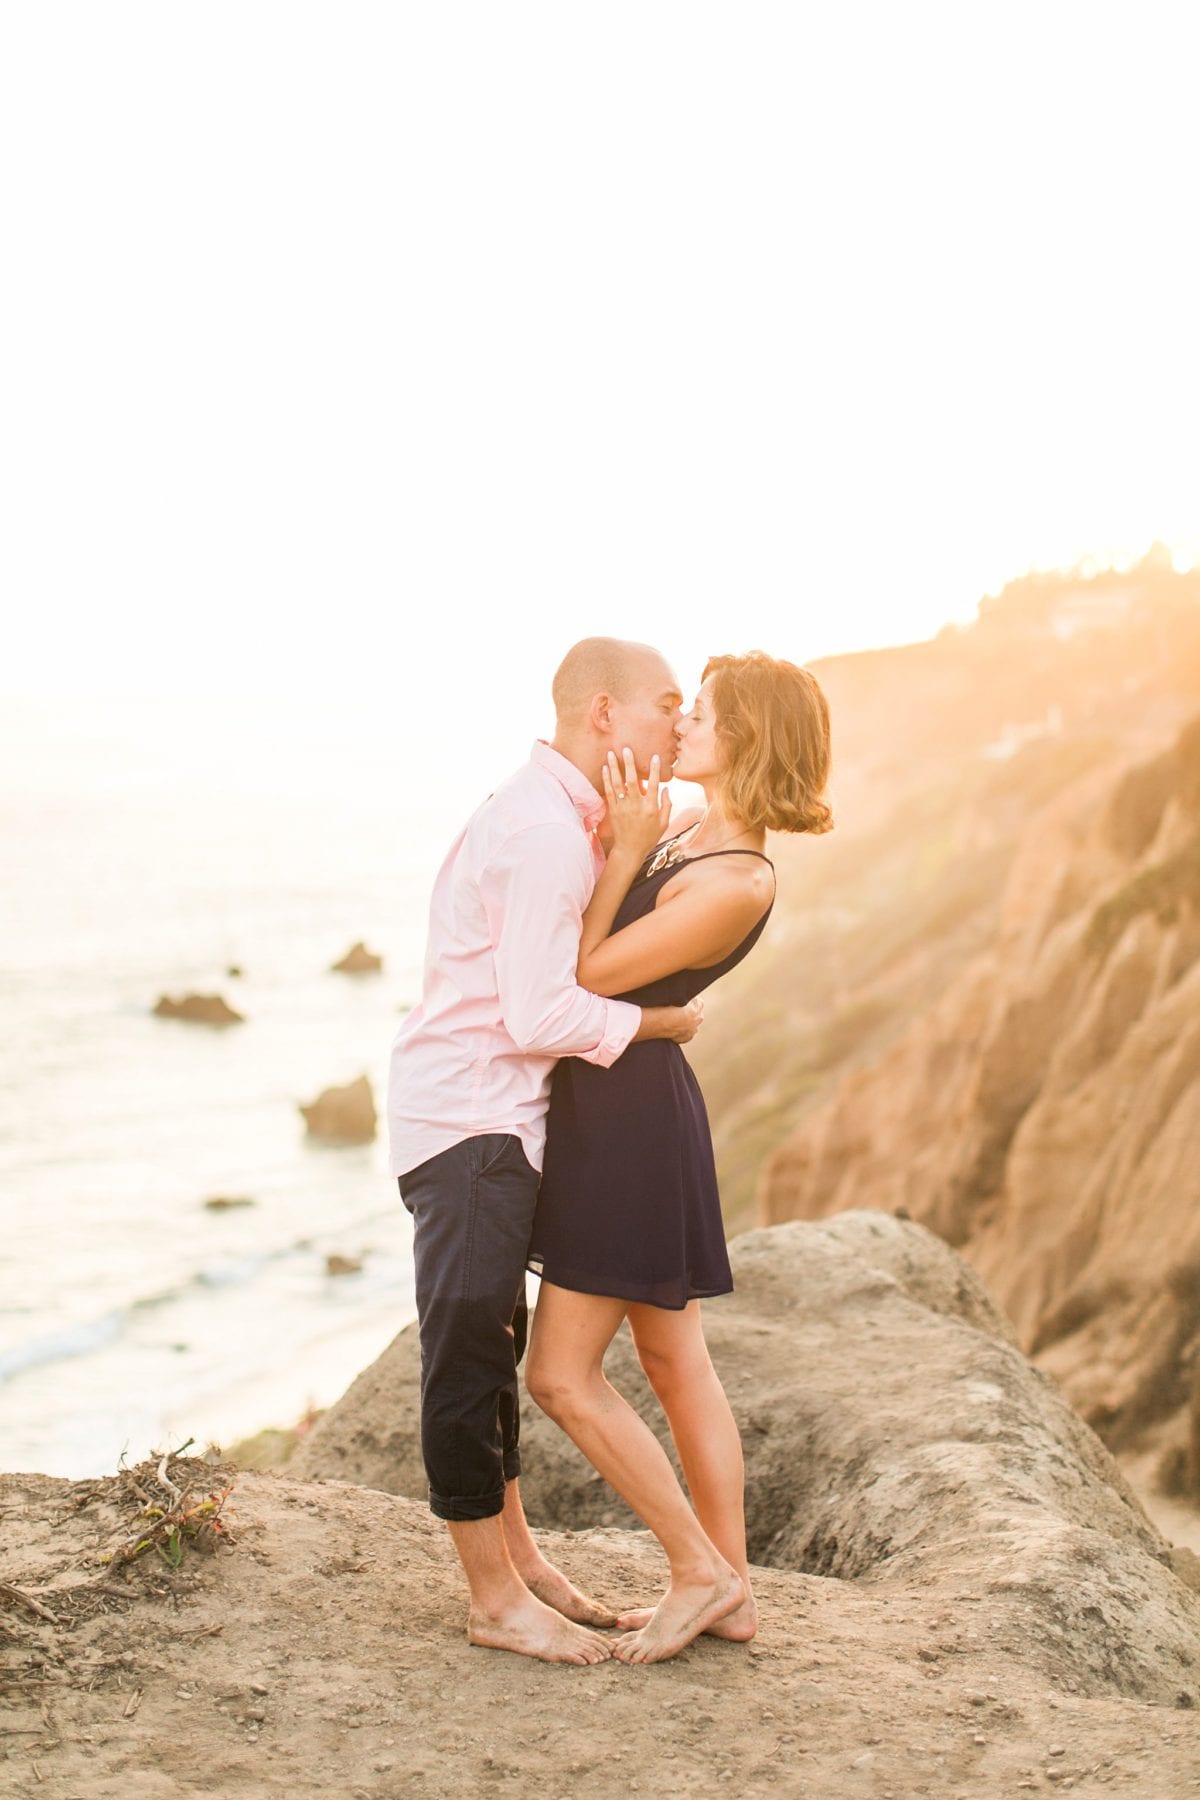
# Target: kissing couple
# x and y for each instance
(542, 1116)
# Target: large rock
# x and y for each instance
(895, 1437)
(343, 1115)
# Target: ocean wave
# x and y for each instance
(89, 1335)
(61, 1346)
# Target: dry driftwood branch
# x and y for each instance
(23, 1599)
(164, 1479)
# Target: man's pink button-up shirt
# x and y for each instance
(500, 1003)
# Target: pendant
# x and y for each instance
(670, 853)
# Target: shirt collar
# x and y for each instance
(584, 798)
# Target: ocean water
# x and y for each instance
(145, 850)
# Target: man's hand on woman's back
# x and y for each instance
(679, 1024)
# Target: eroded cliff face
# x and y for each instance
(1043, 1114)
(963, 820)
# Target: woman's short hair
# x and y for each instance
(772, 727)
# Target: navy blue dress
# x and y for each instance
(628, 1204)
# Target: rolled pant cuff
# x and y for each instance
(512, 1464)
(463, 1509)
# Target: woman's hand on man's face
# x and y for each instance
(636, 816)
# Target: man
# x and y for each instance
(467, 1096)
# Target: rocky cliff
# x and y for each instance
(1043, 1111)
(945, 756)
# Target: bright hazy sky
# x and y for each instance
(371, 354)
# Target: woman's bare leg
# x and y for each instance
(565, 1375)
(541, 1577)
(672, 1351)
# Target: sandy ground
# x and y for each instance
(321, 1651)
(964, 1598)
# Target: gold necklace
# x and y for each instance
(672, 852)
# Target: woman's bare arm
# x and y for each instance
(705, 919)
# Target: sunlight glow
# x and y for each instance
(353, 353)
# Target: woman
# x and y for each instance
(628, 1223)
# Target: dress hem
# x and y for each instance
(578, 1286)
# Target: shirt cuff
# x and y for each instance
(621, 1021)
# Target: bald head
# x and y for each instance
(603, 665)
(610, 694)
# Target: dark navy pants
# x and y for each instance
(472, 1208)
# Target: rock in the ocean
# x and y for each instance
(895, 1438)
(358, 960)
(199, 1009)
(227, 1202)
(343, 1115)
(342, 1265)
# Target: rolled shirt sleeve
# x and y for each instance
(534, 888)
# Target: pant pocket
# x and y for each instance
(494, 1149)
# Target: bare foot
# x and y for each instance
(553, 1589)
(738, 1627)
(684, 1611)
(531, 1629)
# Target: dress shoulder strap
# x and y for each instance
(707, 853)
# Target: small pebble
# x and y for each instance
(1056, 1750)
(980, 1740)
(256, 1687)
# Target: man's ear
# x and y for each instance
(600, 714)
